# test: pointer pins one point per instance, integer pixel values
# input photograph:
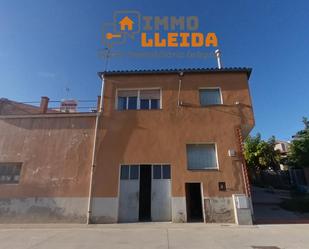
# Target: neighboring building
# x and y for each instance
(167, 146)
(68, 105)
(11, 107)
(283, 148)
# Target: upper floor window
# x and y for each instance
(210, 96)
(202, 156)
(9, 172)
(144, 99)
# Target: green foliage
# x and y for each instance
(260, 154)
(299, 149)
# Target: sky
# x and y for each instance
(48, 46)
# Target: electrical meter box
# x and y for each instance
(241, 202)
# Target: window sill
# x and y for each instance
(214, 105)
(208, 169)
(139, 110)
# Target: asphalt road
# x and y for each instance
(154, 235)
(267, 210)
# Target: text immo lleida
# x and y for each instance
(188, 36)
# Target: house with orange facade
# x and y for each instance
(163, 145)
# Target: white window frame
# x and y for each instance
(138, 97)
(210, 88)
(201, 143)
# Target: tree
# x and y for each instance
(260, 154)
(299, 150)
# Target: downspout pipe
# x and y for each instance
(218, 55)
(179, 88)
(94, 154)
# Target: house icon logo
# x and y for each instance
(126, 24)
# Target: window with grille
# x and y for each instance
(9, 173)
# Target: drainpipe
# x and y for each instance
(179, 88)
(218, 55)
(93, 160)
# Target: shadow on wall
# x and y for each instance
(114, 136)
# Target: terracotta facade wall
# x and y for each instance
(55, 154)
(160, 136)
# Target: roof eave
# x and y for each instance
(171, 71)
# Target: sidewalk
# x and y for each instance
(154, 235)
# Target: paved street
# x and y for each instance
(267, 208)
(154, 235)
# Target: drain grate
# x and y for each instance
(265, 247)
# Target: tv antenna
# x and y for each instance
(67, 89)
(107, 51)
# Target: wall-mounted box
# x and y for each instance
(222, 186)
(232, 152)
(241, 202)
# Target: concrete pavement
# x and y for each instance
(154, 235)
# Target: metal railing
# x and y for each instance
(55, 105)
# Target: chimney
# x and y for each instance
(98, 103)
(44, 104)
(218, 55)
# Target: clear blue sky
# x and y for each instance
(46, 46)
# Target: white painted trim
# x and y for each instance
(203, 203)
(217, 158)
(202, 200)
(215, 87)
(138, 104)
(161, 98)
(138, 96)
